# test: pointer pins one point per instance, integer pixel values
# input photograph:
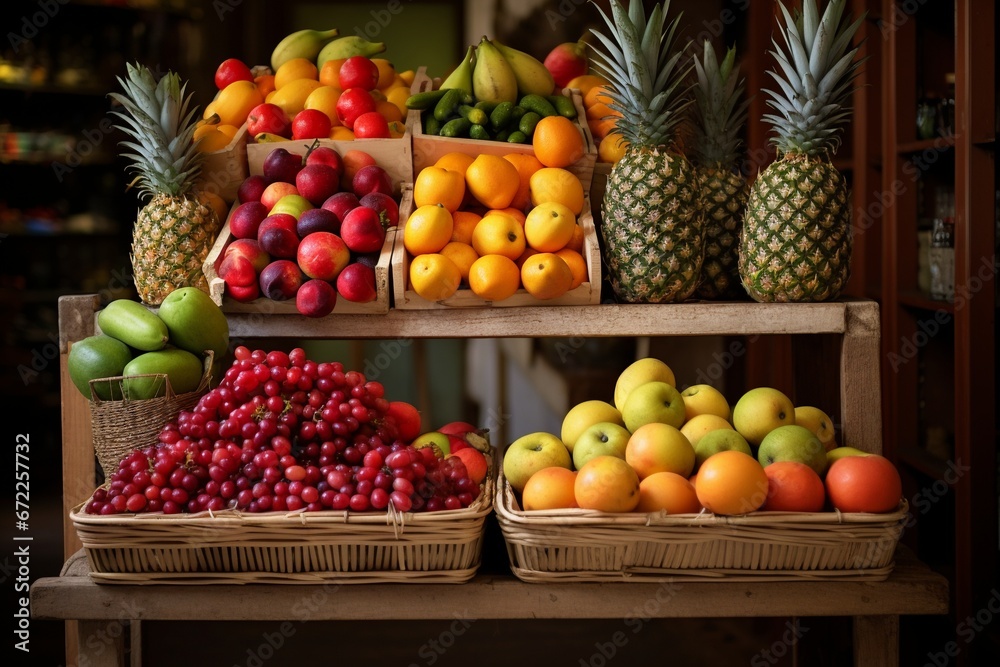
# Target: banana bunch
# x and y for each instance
(320, 46)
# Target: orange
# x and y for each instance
(657, 447)
(214, 202)
(324, 98)
(553, 184)
(600, 129)
(668, 492)
(515, 213)
(398, 96)
(292, 97)
(389, 111)
(546, 276)
(494, 277)
(600, 111)
(731, 482)
(585, 82)
(341, 133)
(549, 227)
(434, 277)
(576, 243)
(607, 484)
(492, 180)
(577, 265)
(386, 73)
(455, 161)
(612, 148)
(549, 489)
(863, 484)
(264, 83)
(464, 222)
(235, 101)
(557, 141)
(437, 185)
(428, 229)
(793, 487)
(499, 234)
(329, 74)
(596, 95)
(293, 70)
(526, 165)
(528, 252)
(463, 254)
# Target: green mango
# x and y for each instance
(182, 368)
(194, 322)
(94, 357)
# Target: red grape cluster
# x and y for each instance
(283, 433)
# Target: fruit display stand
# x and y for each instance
(911, 587)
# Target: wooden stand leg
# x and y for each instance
(876, 641)
(106, 651)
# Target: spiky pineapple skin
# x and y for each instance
(171, 238)
(796, 242)
(652, 227)
(723, 193)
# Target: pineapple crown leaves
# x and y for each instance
(642, 63)
(817, 72)
(160, 120)
(720, 110)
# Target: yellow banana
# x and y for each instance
(532, 76)
(492, 78)
(461, 77)
(345, 47)
(300, 44)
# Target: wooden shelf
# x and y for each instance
(923, 301)
(921, 145)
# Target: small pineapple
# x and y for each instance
(175, 230)
(652, 226)
(796, 243)
(721, 112)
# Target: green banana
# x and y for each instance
(345, 47)
(461, 76)
(300, 44)
(493, 79)
(531, 75)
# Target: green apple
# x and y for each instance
(720, 440)
(793, 443)
(638, 373)
(600, 439)
(840, 452)
(529, 454)
(293, 205)
(704, 399)
(584, 415)
(700, 425)
(653, 402)
(760, 411)
(439, 441)
(818, 422)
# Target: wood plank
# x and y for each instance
(686, 319)
(860, 384)
(912, 588)
(876, 641)
(100, 645)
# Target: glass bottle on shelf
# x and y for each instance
(942, 251)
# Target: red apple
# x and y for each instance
(458, 428)
(357, 283)
(251, 188)
(358, 72)
(243, 294)
(275, 191)
(271, 118)
(371, 178)
(237, 271)
(407, 419)
(385, 205)
(317, 220)
(362, 230)
(341, 204)
(354, 160)
(323, 255)
(277, 236)
(352, 103)
(280, 280)
(328, 156)
(317, 183)
(316, 298)
(566, 62)
(246, 218)
(250, 249)
(310, 124)
(280, 165)
(230, 70)
(475, 463)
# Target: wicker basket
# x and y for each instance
(300, 547)
(121, 426)
(583, 545)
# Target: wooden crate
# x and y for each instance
(265, 306)
(427, 149)
(589, 292)
(222, 172)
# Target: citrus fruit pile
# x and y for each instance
(600, 117)
(496, 225)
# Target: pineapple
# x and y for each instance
(175, 230)
(720, 115)
(796, 243)
(652, 225)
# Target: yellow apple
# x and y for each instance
(584, 415)
(717, 441)
(793, 443)
(601, 439)
(653, 402)
(760, 411)
(704, 399)
(840, 452)
(640, 372)
(818, 422)
(529, 454)
(699, 425)
(657, 448)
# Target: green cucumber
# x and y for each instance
(501, 115)
(517, 137)
(501, 135)
(563, 105)
(133, 324)
(473, 115)
(456, 127)
(432, 126)
(538, 104)
(528, 122)
(486, 106)
(424, 100)
(448, 104)
(477, 131)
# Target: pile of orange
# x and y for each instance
(495, 225)
(601, 117)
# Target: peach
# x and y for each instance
(323, 255)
